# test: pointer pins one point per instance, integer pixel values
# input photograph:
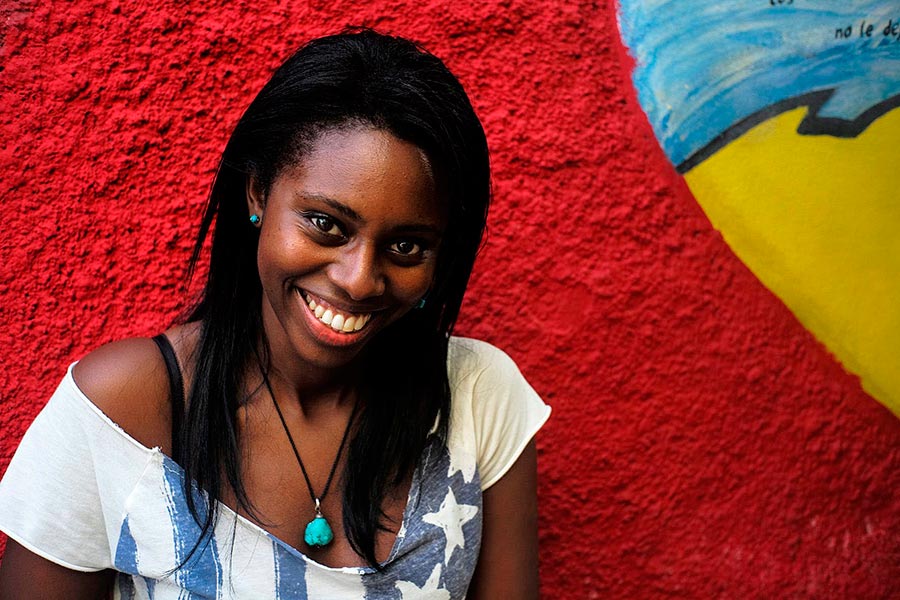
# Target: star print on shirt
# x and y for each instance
(431, 589)
(451, 517)
(464, 464)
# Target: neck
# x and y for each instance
(312, 385)
(298, 379)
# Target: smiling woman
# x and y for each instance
(347, 211)
(354, 228)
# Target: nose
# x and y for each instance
(357, 271)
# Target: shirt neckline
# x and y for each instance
(156, 452)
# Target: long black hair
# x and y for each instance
(355, 78)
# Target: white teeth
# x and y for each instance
(336, 320)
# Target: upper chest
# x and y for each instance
(436, 545)
(294, 463)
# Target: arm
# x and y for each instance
(508, 562)
(24, 574)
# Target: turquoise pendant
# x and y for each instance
(318, 532)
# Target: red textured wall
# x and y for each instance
(703, 444)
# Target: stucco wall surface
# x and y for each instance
(702, 444)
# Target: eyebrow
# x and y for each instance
(338, 206)
(421, 228)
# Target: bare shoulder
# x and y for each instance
(128, 381)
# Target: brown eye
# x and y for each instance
(406, 248)
(326, 225)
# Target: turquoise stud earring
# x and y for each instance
(421, 304)
(254, 219)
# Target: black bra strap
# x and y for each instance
(176, 390)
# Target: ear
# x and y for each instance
(256, 201)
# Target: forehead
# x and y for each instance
(369, 170)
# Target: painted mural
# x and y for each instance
(784, 118)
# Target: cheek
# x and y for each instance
(283, 255)
(411, 284)
(269, 261)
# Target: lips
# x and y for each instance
(339, 320)
(331, 325)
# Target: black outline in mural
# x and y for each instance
(812, 123)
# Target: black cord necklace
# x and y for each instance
(318, 533)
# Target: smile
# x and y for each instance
(339, 321)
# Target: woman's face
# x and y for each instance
(348, 243)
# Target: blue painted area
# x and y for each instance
(290, 573)
(201, 576)
(126, 551)
(422, 548)
(702, 67)
(415, 556)
(457, 574)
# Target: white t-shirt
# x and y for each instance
(84, 494)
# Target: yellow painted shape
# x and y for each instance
(817, 219)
